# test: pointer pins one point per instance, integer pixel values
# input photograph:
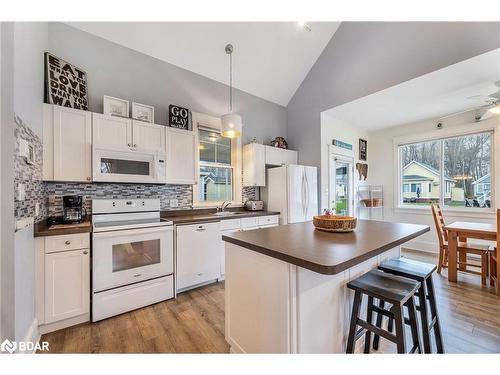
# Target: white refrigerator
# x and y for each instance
(293, 191)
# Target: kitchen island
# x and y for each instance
(286, 286)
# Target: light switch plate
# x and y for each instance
(21, 192)
(174, 203)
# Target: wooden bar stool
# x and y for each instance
(422, 273)
(396, 290)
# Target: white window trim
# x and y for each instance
(458, 131)
(207, 121)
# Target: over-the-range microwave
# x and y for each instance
(129, 166)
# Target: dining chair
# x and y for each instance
(463, 249)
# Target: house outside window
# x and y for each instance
(461, 164)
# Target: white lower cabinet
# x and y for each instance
(63, 272)
(67, 284)
(198, 254)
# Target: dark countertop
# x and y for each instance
(326, 253)
(177, 217)
(206, 215)
(42, 229)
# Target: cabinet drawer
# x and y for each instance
(231, 224)
(249, 222)
(268, 220)
(66, 242)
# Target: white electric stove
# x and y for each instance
(132, 256)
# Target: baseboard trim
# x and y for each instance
(55, 326)
(32, 335)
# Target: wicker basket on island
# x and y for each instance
(334, 223)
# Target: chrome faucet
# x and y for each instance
(224, 205)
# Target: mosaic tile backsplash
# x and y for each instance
(55, 192)
(30, 175)
(49, 194)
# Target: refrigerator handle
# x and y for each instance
(303, 194)
(307, 193)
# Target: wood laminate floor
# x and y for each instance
(194, 323)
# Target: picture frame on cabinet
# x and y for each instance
(143, 112)
(115, 106)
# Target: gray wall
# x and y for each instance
(30, 42)
(7, 284)
(121, 72)
(366, 57)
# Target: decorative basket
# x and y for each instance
(374, 202)
(335, 223)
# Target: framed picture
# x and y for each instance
(65, 84)
(179, 117)
(115, 106)
(363, 145)
(143, 112)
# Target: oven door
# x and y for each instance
(129, 256)
(128, 166)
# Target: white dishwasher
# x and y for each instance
(198, 254)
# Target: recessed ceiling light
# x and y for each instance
(304, 25)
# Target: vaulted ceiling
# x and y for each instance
(270, 59)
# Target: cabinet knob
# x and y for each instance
(67, 242)
(85, 252)
(88, 178)
(129, 145)
(135, 146)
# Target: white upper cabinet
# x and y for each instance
(181, 156)
(254, 165)
(124, 133)
(111, 131)
(280, 156)
(67, 144)
(257, 156)
(147, 136)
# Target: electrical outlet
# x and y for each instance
(37, 209)
(174, 203)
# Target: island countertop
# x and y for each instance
(323, 252)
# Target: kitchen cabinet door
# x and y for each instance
(147, 136)
(67, 144)
(198, 254)
(280, 156)
(67, 284)
(254, 165)
(181, 156)
(111, 132)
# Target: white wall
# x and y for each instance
(332, 128)
(7, 297)
(30, 43)
(383, 167)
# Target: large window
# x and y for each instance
(216, 170)
(454, 172)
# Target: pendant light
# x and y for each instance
(231, 123)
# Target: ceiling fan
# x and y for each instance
(491, 106)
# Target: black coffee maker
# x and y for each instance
(73, 209)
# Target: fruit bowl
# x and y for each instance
(335, 223)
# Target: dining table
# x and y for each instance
(462, 230)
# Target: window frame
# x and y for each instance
(204, 121)
(431, 137)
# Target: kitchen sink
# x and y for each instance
(228, 213)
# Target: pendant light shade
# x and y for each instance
(495, 110)
(231, 123)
